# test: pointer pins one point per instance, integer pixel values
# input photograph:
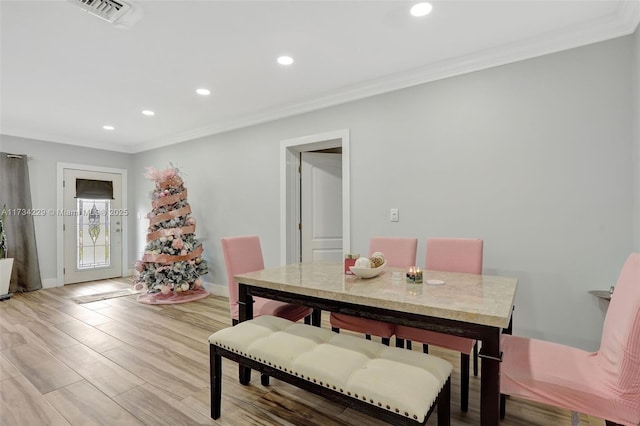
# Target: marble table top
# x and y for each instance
(479, 299)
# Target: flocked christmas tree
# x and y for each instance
(172, 264)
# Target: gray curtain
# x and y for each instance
(15, 193)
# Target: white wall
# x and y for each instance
(43, 160)
(534, 157)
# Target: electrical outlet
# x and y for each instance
(394, 215)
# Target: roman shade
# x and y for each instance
(94, 189)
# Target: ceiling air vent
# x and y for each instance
(109, 10)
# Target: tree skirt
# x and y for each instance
(167, 299)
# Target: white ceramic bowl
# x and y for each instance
(368, 272)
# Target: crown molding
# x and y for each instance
(623, 22)
(629, 13)
(68, 140)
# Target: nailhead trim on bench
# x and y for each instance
(269, 363)
(421, 372)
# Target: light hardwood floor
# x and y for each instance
(120, 362)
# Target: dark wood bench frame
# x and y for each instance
(215, 360)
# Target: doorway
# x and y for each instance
(321, 206)
(291, 193)
(92, 221)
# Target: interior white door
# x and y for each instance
(321, 207)
(92, 229)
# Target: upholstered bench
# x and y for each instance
(396, 385)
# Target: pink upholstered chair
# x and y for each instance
(452, 255)
(603, 384)
(244, 254)
(398, 251)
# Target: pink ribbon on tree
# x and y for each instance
(171, 231)
(169, 199)
(154, 220)
(168, 258)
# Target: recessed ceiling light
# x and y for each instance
(107, 127)
(421, 9)
(148, 112)
(285, 60)
(203, 92)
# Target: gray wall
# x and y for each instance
(534, 157)
(43, 160)
(540, 158)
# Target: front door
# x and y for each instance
(321, 207)
(92, 221)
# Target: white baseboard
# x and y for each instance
(216, 289)
(50, 283)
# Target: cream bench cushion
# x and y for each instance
(398, 380)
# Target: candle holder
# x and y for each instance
(414, 275)
(349, 261)
(414, 290)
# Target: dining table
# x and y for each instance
(475, 306)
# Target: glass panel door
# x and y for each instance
(92, 229)
(93, 243)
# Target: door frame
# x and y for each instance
(290, 189)
(60, 206)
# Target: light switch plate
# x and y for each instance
(394, 215)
